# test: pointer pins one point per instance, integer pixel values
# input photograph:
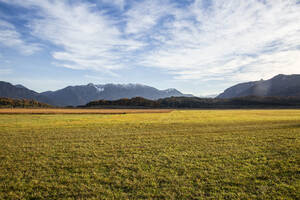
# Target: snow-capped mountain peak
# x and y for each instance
(99, 88)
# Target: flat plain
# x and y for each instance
(183, 154)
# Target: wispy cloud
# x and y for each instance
(11, 38)
(145, 15)
(232, 39)
(88, 39)
(204, 40)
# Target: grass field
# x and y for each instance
(230, 154)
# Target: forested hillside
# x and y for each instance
(21, 103)
(195, 102)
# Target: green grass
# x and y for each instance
(241, 154)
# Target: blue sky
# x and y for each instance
(197, 46)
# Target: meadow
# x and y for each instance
(183, 154)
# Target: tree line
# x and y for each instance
(21, 103)
(195, 102)
(170, 102)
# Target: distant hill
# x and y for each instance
(201, 103)
(82, 94)
(279, 86)
(20, 92)
(21, 103)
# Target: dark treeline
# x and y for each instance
(171, 102)
(195, 102)
(21, 103)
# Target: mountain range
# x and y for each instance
(82, 94)
(278, 86)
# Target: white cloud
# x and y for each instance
(233, 40)
(143, 15)
(88, 38)
(9, 37)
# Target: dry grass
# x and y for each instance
(79, 111)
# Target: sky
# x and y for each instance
(196, 46)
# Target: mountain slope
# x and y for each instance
(235, 90)
(280, 85)
(80, 95)
(20, 92)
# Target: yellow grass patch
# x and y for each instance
(184, 154)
